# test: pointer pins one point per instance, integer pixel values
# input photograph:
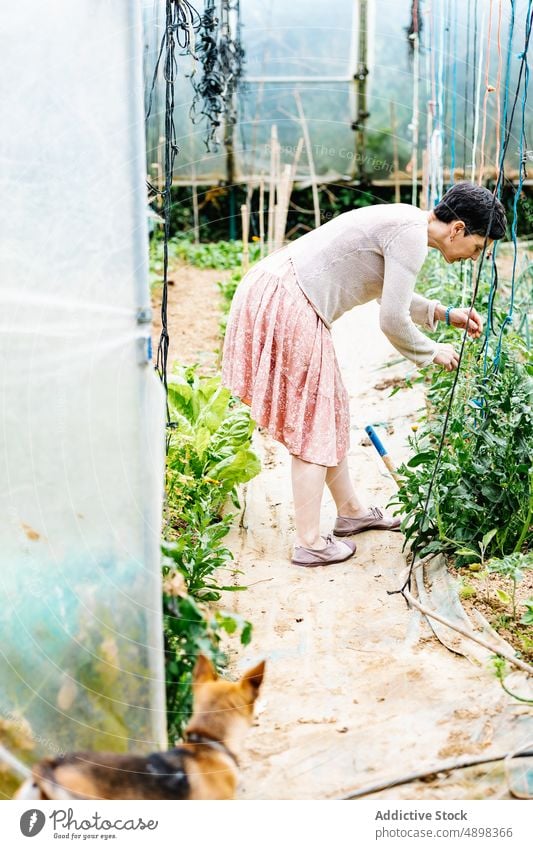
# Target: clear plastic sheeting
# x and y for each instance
(287, 49)
(294, 39)
(81, 410)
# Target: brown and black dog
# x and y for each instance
(204, 766)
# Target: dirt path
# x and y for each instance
(193, 313)
(358, 689)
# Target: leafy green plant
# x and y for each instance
(197, 554)
(190, 629)
(484, 482)
(227, 289)
(500, 669)
(466, 590)
(511, 567)
(221, 255)
(527, 618)
(483, 544)
(209, 450)
(209, 454)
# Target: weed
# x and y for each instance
(527, 618)
(511, 567)
(499, 666)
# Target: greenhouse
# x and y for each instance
(267, 286)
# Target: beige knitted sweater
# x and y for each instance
(374, 252)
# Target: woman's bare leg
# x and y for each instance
(307, 488)
(339, 482)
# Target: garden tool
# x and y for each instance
(382, 451)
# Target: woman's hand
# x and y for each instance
(446, 356)
(459, 318)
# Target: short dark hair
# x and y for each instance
(476, 206)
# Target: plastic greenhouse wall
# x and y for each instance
(312, 48)
(82, 412)
(287, 48)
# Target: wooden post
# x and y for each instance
(361, 74)
(286, 184)
(425, 179)
(415, 120)
(245, 234)
(310, 158)
(395, 158)
(299, 148)
(262, 217)
(272, 186)
(282, 206)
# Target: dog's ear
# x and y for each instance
(203, 670)
(254, 678)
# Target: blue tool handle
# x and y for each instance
(376, 441)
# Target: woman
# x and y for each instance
(279, 356)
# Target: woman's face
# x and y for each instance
(459, 245)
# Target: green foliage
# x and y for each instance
(197, 554)
(500, 669)
(482, 496)
(467, 591)
(209, 451)
(227, 289)
(209, 454)
(452, 284)
(221, 255)
(191, 629)
(511, 567)
(527, 618)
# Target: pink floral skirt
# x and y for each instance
(279, 359)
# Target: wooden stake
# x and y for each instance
(414, 121)
(272, 185)
(310, 158)
(299, 148)
(285, 185)
(283, 193)
(245, 231)
(262, 217)
(395, 158)
(425, 178)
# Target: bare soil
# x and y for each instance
(484, 598)
(193, 313)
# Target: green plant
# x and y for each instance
(511, 567)
(227, 289)
(467, 591)
(483, 544)
(209, 454)
(197, 554)
(485, 464)
(191, 629)
(499, 667)
(527, 618)
(221, 255)
(209, 451)
(213, 254)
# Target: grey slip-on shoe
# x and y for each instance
(335, 551)
(375, 520)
